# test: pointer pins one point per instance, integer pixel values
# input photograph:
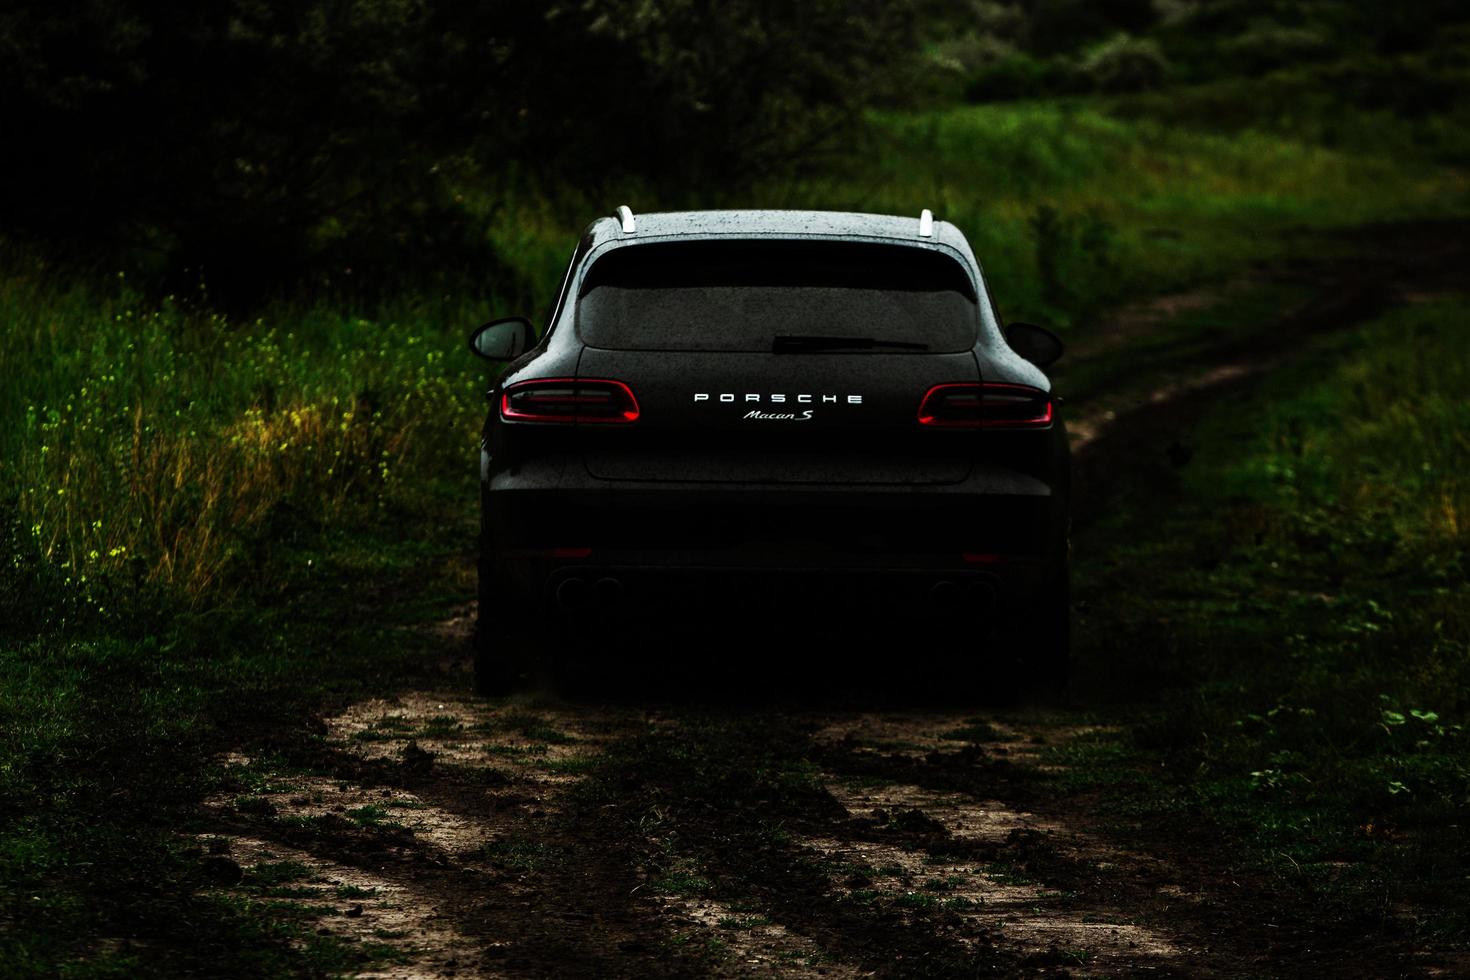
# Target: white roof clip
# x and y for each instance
(626, 214)
(926, 223)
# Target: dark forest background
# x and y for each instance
(261, 140)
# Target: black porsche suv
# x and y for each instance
(769, 417)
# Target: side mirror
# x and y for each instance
(1036, 344)
(504, 339)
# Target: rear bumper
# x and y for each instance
(675, 547)
(692, 593)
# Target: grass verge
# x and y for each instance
(1295, 605)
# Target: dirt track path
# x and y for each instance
(752, 836)
(443, 828)
(543, 838)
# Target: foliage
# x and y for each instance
(1313, 698)
(1073, 257)
(259, 139)
(1124, 64)
(1413, 106)
(1016, 49)
(171, 446)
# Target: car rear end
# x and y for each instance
(807, 428)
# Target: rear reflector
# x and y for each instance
(569, 400)
(986, 406)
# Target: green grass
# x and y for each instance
(1316, 621)
(973, 730)
(917, 900)
(371, 817)
(524, 854)
(167, 445)
(681, 883)
(528, 725)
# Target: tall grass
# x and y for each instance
(173, 446)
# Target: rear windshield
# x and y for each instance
(741, 296)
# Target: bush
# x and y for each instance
(1020, 76)
(1058, 26)
(1272, 46)
(1125, 64)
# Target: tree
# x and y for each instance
(255, 138)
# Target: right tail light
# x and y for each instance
(991, 405)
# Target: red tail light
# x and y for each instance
(986, 406)
(569, 400)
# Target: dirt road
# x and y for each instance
(538, 837)
(767, 833)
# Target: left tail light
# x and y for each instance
(986, 406)
(565, 400)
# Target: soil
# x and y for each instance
(846, 833)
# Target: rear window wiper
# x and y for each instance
(804, 344)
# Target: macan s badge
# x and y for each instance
(756, 415)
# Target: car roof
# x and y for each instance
(778, 224)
